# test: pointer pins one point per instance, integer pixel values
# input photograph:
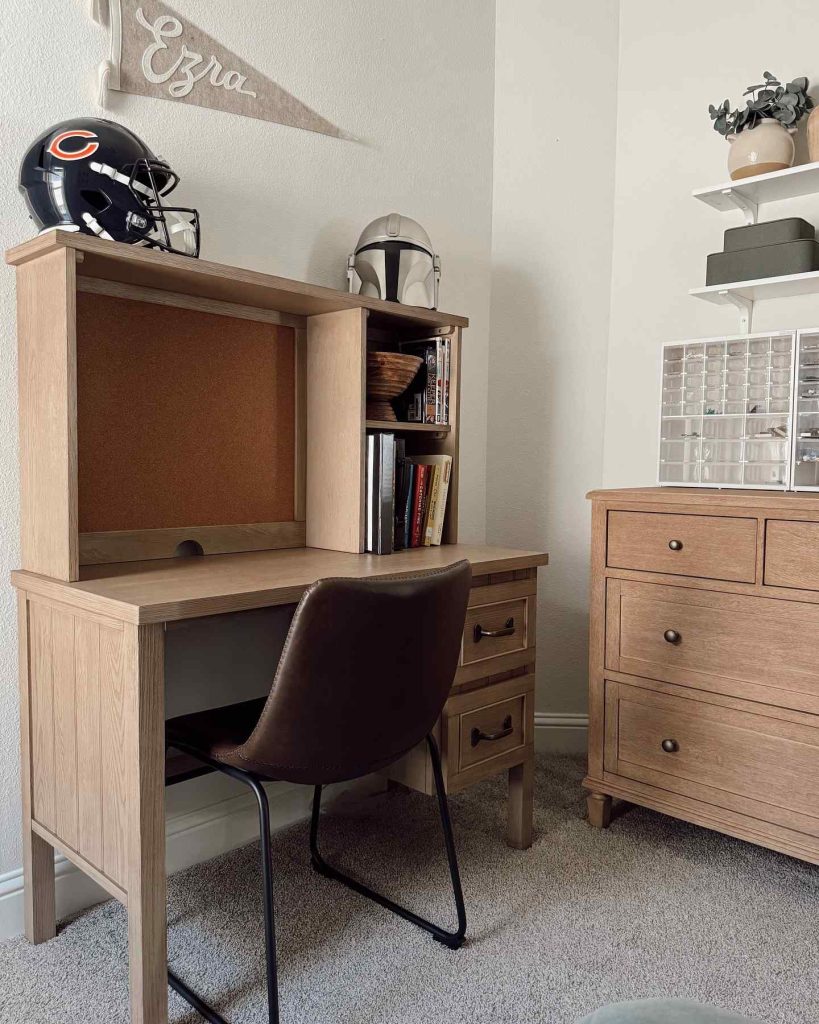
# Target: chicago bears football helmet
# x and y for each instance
(96, 176)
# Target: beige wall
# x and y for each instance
(555, 117)
(674, 61)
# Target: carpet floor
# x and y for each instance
(651, 907)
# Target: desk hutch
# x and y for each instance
(192, 442)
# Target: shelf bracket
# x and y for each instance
(745, 307)
(749, 208)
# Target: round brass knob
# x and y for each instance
(671, 636)
(675, 545)
(670, 746)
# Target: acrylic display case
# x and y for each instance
(727, 412)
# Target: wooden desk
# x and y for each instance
(92, 712)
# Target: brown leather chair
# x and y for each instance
(363, 677)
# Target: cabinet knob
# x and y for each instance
(671, 636)
(675, 545)
(670, 746)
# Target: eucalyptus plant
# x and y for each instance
(784, 103)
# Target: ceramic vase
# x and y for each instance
(767, 147)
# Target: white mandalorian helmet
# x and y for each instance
(394, 260)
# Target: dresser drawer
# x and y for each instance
(713, 547)
(754, 647)
(743, 759)
(497, 628)
(792, 554)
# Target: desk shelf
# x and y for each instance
(409, 428)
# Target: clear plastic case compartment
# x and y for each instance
(726, 416)
(806, 428)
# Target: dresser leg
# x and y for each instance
(38, 881)
(599, 806)
(521, 805)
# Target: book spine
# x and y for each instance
(447, 360)
(386, 494)
(432, 377)
(434, 475)
(400, 493)
(440, 510)
(372, 490)
(411, 474)
(439, 381)
(419, 501)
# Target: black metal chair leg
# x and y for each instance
(269, 917)
(451, 939)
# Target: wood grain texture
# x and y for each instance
(149, 268)
(139, 545)
(113, 712)
(41, 668)
(144, 787)
(598, 806)
(336, 382)
(90, 775)
(713, 547)
(66, 823)
(184, 418)
(46, 341)
(163, 590)
(751, 647)
(40, 915)
(738, 691)
(521, 804)
(792, 554)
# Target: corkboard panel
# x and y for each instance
(184, 418)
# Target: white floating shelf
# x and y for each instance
(747, 194)
(741, 292)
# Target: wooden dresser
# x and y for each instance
(704, 660)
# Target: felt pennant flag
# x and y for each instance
(155, 53)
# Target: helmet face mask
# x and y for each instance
(394, 261)
(97, 177)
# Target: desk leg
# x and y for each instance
(38, 855)
(521, 804)
(147, 910)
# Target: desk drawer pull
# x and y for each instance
(671, 636)
(478, 735)
(507, 630)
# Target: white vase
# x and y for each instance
(767, 147)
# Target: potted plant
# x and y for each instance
(761, 132)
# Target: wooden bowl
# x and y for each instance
(389, 374)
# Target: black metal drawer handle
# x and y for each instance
(507, 630)
(477, 735)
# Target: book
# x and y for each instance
(402, 475)
(411, 474)
(419, 502)
(439, 491)
(380, 492)
(429, 405)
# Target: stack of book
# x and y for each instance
(406, 496)
(429, 400)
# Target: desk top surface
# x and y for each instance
(182, 588)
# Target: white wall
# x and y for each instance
(673, 62)
(555, 118)
(274, 198)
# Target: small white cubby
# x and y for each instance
(806, 419)
(727, 412)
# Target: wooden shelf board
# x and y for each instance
(182, 588)
(150, 268)
(762, 188)
(765, 288)
(409, 428)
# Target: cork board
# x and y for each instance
(184, 418)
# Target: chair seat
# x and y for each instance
(216, 734)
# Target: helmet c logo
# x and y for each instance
(56, 147)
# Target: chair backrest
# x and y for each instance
(365, 672)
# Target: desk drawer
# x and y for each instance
(497, 628)
(792, 554)
(713, 547)
(752, 647)
(751, 762)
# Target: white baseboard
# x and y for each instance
(191, 838)
(560, 733)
